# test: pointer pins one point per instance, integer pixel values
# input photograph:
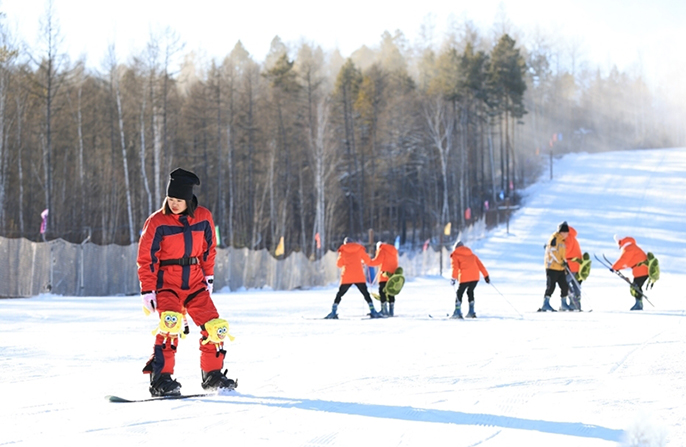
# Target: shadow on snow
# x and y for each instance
(405, 413)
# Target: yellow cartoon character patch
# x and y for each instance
(217, 331)
(171, 324)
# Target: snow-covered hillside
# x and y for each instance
(510, 377)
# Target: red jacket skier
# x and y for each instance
(176, 271)
(466, 267)
(387, 259)
(573, 252)
(573, 257)
(634, 258)
(351, 255)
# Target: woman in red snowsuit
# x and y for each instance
(176, 270)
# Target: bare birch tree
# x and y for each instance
(440, 125)
(115, 79)
(45, 83)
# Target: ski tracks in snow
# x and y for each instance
(323, 440)
(650, 340)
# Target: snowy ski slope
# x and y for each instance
(510, 377)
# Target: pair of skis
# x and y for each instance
(607, 264)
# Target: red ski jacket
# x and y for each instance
(573, 250)
(387, 258)
(631, 256)
(350, 259)
(466, 265)
(171, 237)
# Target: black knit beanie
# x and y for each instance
(181, 183)
(563, 227)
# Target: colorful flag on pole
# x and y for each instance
(397, 243)
(447, 229)
(318, 240)
(468, 213)
(279, 248)
(426, 245)
(44, 222)
(219, 239)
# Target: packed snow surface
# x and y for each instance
(510, 377)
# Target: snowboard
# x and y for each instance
(117, 399)
(218, 392)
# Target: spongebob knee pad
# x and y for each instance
(170, 326)
(217, 331)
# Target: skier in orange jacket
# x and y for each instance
(176, 271)
(634, 258)
(573, 256)
(351, 255)
(466, 267)
(387, 259)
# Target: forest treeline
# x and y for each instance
(305, 145)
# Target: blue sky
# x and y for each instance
(608, 32)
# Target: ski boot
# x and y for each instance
(638, 305)
(457, 314)
(471, 313)
(546, 305)
(164, 385)
(373, 313)
(390, 309)
(216, 380)
(332, 315)
(384, 309)
(563, 304)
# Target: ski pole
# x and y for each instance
(508, 301)
(633, 286)
(576, 283)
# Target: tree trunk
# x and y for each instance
(141, 152)
(127, 186)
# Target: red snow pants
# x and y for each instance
(199, 306)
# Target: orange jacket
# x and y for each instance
(387, 258)
(466, 265)
(555, 252)
(175, 236)
(630, 257)
(350, 259)
(573, 250)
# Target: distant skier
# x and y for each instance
(176, 271)
(555, 261)
(387, 259)
(466, 267)
(634, 258)
(574, 259)
(351, 255)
